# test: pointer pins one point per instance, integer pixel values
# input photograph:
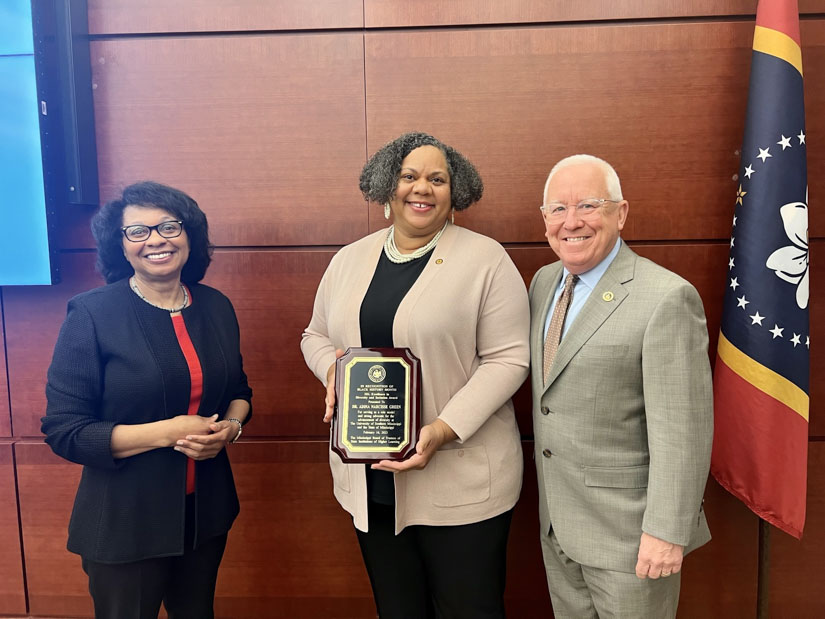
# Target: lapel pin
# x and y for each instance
(439, 261)
(607, 296)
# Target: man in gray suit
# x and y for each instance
(622, 407)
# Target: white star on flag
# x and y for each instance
(801, 137)
(777, 331)
(795, 340)
(764, 154)
(757, 319)
(748, 171)
(730, 263)
(784, 142)
(734, 283)
(742, 301)
(731, 241)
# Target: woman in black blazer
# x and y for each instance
(145, 389)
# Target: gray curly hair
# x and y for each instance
(379, 178)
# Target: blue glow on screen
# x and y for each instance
(24, 242)
(16, 27)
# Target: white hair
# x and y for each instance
(611, 179)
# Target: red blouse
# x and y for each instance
(196, 376)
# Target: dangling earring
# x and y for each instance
(452, 215)
(387, 210)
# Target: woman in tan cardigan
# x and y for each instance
(432, 529)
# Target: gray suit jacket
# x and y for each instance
(624, 424)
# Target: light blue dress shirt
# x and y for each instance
(582, 289)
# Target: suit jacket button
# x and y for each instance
(546, 453)
(545, 410)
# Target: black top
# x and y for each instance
(390, 284)
(118, 360)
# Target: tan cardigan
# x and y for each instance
(467, 319)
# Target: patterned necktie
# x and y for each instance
(554, 331)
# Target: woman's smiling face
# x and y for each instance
(156, 258)
(422, 199)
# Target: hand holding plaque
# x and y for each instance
(377, 404)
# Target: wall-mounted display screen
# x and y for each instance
(24, 239)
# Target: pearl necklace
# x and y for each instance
(391, 250)
(136, 290)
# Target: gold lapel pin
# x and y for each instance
(439, 261)
(607, 296)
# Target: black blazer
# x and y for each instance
(117, 361)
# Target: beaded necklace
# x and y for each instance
(391, 250)
(136, 290)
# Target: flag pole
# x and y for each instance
(763, 593)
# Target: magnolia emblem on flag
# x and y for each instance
(791, 263)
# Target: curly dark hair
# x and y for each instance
(107, 221)
(379, 178)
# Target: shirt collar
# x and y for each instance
(591, 278)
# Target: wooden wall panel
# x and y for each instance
(130, 16)
(664, 103)
(109, 17)
(74, 229)
(47, 484)
(719, 579)
(811, 6)
(528, 260)
(293, 552)
(12, 591)
(394, 13)
(387, 13)
(265, 132)
(817, 318)
(797, 566)
(5, 414)
(526, 592)
(813, 64)
(273, 293)
(33, 318)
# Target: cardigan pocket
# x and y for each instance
(462, 476)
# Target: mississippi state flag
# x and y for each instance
(760, 445)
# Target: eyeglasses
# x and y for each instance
(139, 232)
(586, 209)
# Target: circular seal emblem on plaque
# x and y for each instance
(377, 374)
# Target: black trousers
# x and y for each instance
(185, 584)
(429, 572)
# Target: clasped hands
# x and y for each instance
(200, 438)
(431, 437)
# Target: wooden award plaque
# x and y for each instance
(377, 404)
